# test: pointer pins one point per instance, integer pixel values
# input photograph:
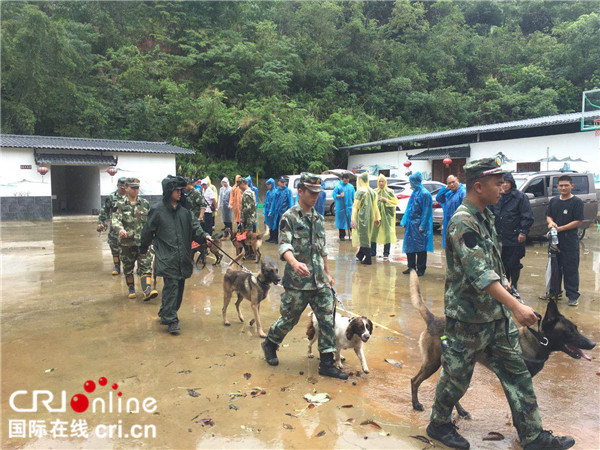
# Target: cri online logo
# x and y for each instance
(80, 402)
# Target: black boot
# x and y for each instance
(117, 263)
(447, 435)
(149, 293)
(130, 285)
(270, 350)
(545, 440)
(360, 255)
(327, 367)
(367, 258)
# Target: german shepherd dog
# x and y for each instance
(203, 249)
(560, 332)
(252, 287)
(253, 240)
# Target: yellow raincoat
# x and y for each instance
(364, 212)
(386, 232)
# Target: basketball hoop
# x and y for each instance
(597, 126)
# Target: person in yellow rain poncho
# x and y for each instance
(365, 216)
(385, 233)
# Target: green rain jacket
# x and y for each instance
(364, 212)
(386, 232)
(172, 230)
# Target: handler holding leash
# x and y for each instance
(477, 309)
(306, 278)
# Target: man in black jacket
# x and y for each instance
(171, 228)
(513, 222)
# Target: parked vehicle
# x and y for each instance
(403, 192)
(540, 187)
(330, 182)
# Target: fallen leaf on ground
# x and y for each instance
(384, 433)
(247, 375)
(493, 436)
(320, 434)
(393, 362)
(318, 398)
(193, 393)
(287, 426)
(422, 439)
(232, 406)
(205, 422)
(350, 421)
(373, 424)
(230, 355)
(347, 406)
(50, 370)
(185, 372)
(312, 380)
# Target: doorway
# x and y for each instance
(75, 190)
(440, 171)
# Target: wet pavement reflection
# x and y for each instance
(66, 320)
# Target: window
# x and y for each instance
(528, 167)
(296, 183)
(536, 187)
(331, 183)
(580, 185)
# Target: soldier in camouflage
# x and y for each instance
(128, 220)
(478, 321)
(248, 208)
(306, 277)
(195, 200)
(104, 221)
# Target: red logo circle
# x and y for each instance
(79, 403)
(102, 381)
(89, 386)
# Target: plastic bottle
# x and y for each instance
(554, 235)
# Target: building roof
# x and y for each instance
(463, 151)
(103, 145)
(546, 121)
(75, 160)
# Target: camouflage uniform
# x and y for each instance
(105, 219)
(304, 234)
(195, 202)
(248, 211)
(132, 217)
(476, 323)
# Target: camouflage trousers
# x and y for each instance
(464, 343)
(293, 304)
(129, 255)
(113, 242)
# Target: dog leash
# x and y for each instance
(338, 301)
(233, 259)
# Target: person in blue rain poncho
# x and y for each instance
(343, 194)
(255, 190)
(270, 183)
(450, 197)
(282, 201)
(320, 205)
(418, 223)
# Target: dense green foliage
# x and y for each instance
(275, 87)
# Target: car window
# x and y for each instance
(519, 182)
(397, 189)
(296, 182)
(373, 184)
(431, 187)
(580, 185)
(536, 187)
(330, 183)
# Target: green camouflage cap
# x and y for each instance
(132, 182)
(122, 181)
(483, 167)
(310, 181)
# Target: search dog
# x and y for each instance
(252, 240)
(561, 335)
(349, 333)
(203, 248)
(249, 286)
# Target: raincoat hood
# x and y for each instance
(169, 184)
(509, 177)
(379, 178)
(415, 180)
(225, 180)
(270, 182)
(249, 178)
(363, 180)
(237, 177)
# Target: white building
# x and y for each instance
(543, 143)
(77, 179)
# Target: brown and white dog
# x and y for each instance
(253, 240)
(349, 333)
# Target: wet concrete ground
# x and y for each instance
(66, 320)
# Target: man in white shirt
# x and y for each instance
(209, 196)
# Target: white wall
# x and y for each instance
(150, 168)
(17, 182)
(581, 145)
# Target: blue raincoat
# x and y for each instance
(282, 201)
(343, 205)
(268, 201)
(449, 201)
(418, 215)
(320, 205)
